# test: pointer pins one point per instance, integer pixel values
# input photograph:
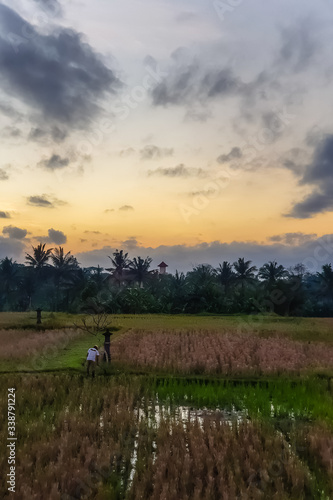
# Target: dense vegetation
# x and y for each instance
(139, 438)
(54, 281)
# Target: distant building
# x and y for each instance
(163, 267)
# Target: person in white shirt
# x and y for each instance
(92, 359)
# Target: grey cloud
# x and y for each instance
(54, 162)
(313, 204)
(152, 152)
(187, 83)
(51, 7)
(92, 232)
(15, 233)
(11, 248)
(109, 210)
(292, 238)
(11, 132)
(58, 75)
(183, 257)
(4, 215)
(3, 175)
(57, 237)
(234, 154)
(8, 110)
(299, 44)
(38, 134)
(44, 201)
(130, 243)
(319, 175)
(179, 171)
(126, 208)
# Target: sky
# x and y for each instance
(190, 131)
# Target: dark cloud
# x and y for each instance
(38, 134)
(179, 171)
(234, 154)
(319, 175)
(54, 162)
(191, 82)
(3, 175)
(152, 152)
(292, 238)
(57, 237)
(58, 75)
(299, 45)
(4, 215)
(53, 236)
(126, 208)
(44, 201)
(295, 160)
(15, 233)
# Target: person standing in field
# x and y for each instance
(107, 354)
(92, 360)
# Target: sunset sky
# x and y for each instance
(190, 131)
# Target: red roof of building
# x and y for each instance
(163, 264)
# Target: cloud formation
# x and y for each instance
(44, 201)
(313, 253)
(299, 45)
(179, 171)
(3, 175)
(152, 152)
(317, 174)
(126, 208)
(4, 215)
(58, 75)
(234, 154)
(292, 238)
(51, 7)
(14, 233)
(189, 82)
(54, 162)
(55, 236)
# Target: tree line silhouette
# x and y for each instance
(54, 281)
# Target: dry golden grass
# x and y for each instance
(214, 352)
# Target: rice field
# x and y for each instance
(218, 353)
(203, 409)
(124, 439)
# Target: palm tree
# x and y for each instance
(326, 280)
(225, 275)
(40, 256)
(8, 274)
(64, 265)
(120, 262)
(140, 267)
(271, 272)
(244, 274)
